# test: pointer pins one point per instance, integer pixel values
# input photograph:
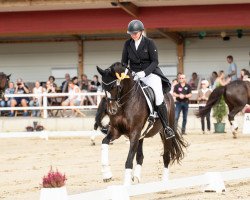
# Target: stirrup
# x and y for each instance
(169, 133)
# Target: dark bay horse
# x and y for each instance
(236, 95)
(4, 80)
(128, 112)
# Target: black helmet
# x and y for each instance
(135, 26)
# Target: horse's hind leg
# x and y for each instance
(106, 171)
(166, 158)
(231, 115)
(139, 161)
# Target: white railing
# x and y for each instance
(45, 107)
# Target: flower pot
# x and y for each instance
(54, 194)
(219, 127)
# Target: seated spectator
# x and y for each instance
(5, 101)
(75, 80)
(21, 88)
(52, 81)
(194, 81)
(36, 100)
(95, 86)
(73, 99)
(50, 88)
(64, 86)
(84, 86)
(244, 75)
(203, 95)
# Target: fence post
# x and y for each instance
(45, 103)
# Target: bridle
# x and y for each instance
(118, 99)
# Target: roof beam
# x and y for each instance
(128, 7)
(174, 36)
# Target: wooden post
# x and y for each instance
(80, 58)
(180, 55)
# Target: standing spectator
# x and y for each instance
(10, 90)
(220, 81)
(21, 88)
(232, 69)
(37, 100)
(173, 84)
(194, 81)
(182, 92)
(213, 77)
(64, 86)
(203, 95)
(73, 99)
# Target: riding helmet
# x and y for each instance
(135, 26)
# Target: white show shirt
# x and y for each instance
(137, 43)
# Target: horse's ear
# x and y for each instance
(101, 71)
(8, 77)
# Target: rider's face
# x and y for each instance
(136, 36)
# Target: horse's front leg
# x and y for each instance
(139, 161)
(134, 141)
(106, 171)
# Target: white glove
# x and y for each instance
(139, 75)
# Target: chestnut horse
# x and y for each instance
(236, 95)
(128, 112)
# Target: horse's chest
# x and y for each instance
(121, 124)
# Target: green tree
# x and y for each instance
(220, 110)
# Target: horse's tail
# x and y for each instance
(101, 113)
(214, 97)
(177, 148)
(176, 145)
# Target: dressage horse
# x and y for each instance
(4, 79)
(236, 95)
(128, 112)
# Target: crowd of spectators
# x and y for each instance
(69, 85)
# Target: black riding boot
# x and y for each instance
(162, 112)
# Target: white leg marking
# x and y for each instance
(165, 176)
(106, 171)
(137, 173)
(127, 177)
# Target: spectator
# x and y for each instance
(84, 86)
(220, 81)
(37, 100)
(173, 84)
(213, 77)
(203, 95)
(244, 75)
(84, 83)
(75, 80)
(52, 81)
(194, 81)
(50, 87)
(232, 69)
(182, 92)
(73, 99)
(10, 90)
(21, 88)
(95, 84)
(64, 86)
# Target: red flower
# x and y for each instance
(54, 179)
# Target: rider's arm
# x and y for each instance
(153, 56)
(125, 55)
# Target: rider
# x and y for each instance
(141, 54)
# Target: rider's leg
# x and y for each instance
(155, 83)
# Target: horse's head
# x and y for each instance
(4, 79)
(115, 80)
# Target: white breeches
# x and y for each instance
(155, 83)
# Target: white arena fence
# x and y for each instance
(210, 181)
(45, 107)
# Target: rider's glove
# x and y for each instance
(139, 75)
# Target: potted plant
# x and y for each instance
(53, 186)
(219, 112)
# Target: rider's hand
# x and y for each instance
(139, 75)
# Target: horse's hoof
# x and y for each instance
(92, 143)
(106, 180)
(234, 135)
